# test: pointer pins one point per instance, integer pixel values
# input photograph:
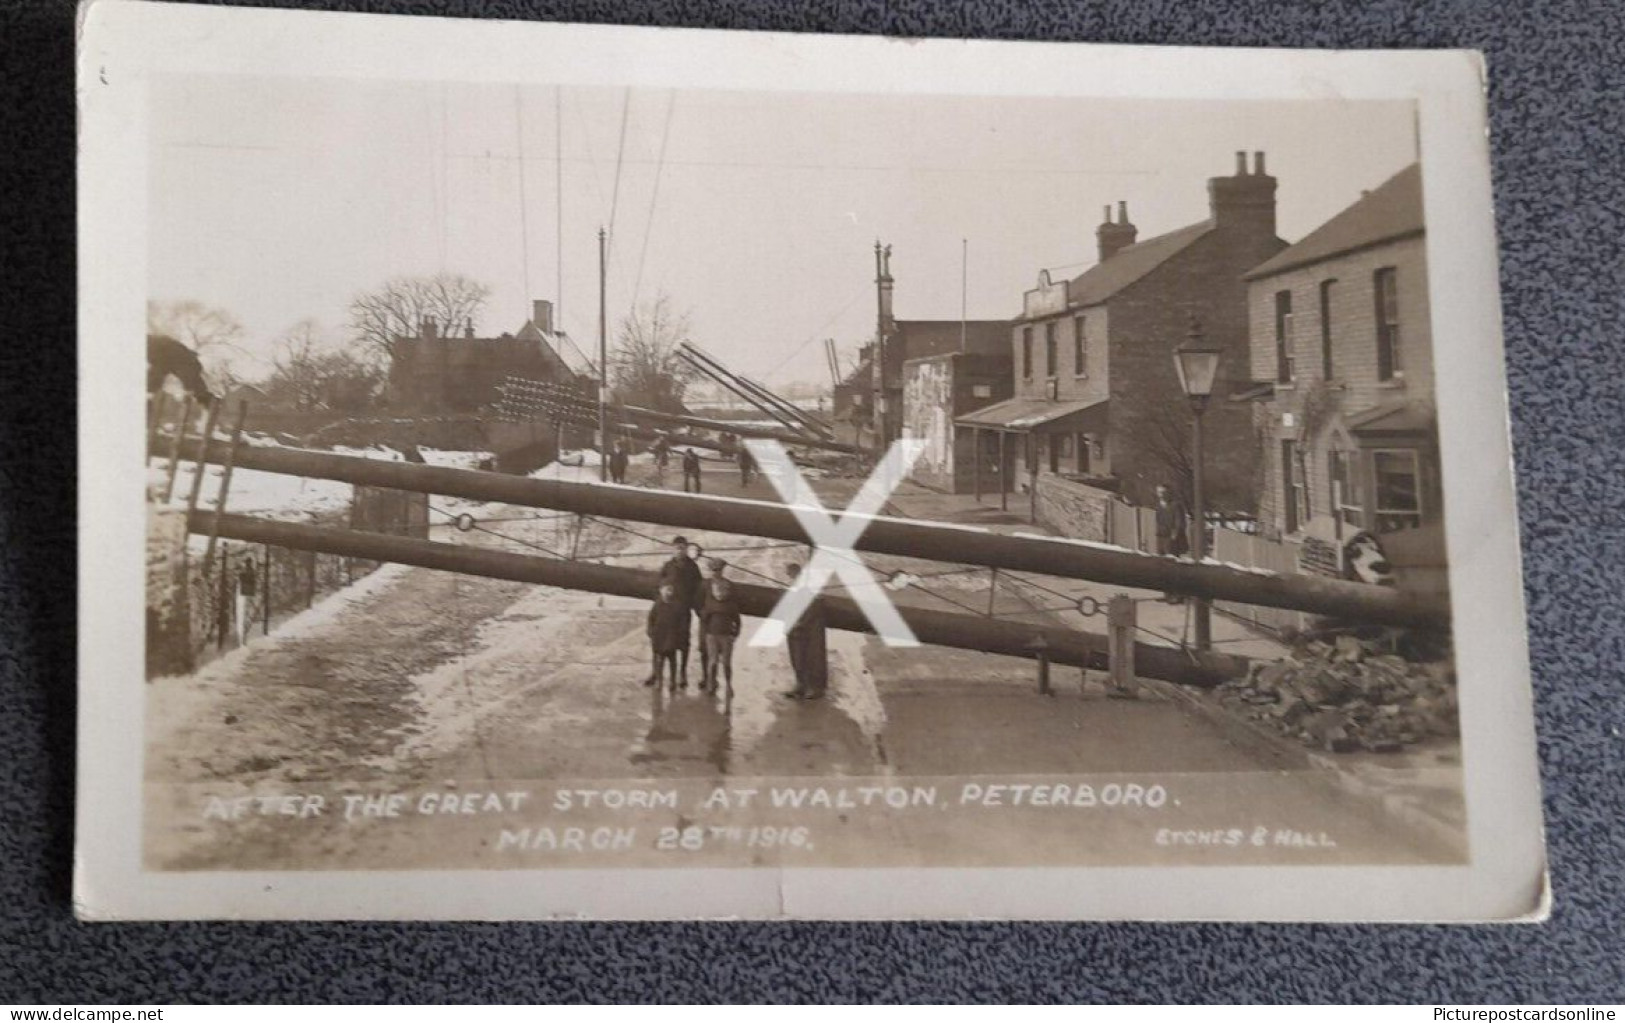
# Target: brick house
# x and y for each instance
(439, 371)
(1342, 346)
(1095, 392)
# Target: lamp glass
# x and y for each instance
(1198, 368)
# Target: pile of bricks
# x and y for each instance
(1349, 693)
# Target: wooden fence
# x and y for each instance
(1250, 551)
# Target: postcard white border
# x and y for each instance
(122, 42)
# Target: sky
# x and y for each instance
(756, 214)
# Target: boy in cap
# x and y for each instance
(719, 627)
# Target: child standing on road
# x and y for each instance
(719, 627)
(668, 632)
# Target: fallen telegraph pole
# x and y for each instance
(524, 400)
(961, 545)
(938, 628)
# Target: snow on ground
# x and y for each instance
(278, 495)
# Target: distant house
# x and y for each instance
(441, 370)
(1342, 348)
(1095, 392)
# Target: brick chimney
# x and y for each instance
(1114, 237)
(431, 328)
(541, 314)
(1245, 199)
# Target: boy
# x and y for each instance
(668, 633)
(719, 627)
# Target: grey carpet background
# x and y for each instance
(1557, 100)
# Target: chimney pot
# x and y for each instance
(1258, 162)
(1122, 211)
(1241, 163)
(542, 315)
(1106, 214)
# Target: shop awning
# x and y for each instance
(1036, 415)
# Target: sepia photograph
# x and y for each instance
(694, 476)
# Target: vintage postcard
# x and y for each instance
(614, 473)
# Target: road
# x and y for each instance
(425, 719)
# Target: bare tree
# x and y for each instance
(648, 371)
(311, 374)
(213, 333)
(399, 306)
(295, 380)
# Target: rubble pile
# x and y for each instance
(1348, 692)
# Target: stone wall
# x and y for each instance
(1072, 509)
(169, 646)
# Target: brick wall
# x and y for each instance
(1150, 416)
(1093, 384)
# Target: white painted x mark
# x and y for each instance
(833, 542)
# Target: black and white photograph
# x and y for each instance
(683, 489)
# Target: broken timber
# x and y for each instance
(938, 628)
(959, 545)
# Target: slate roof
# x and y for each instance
(1390, 211)
(569, 353)
(1129, 264)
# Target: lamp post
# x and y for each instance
(1197, 364)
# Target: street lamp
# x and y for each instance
(1197, 364)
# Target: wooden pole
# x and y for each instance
(1004, 472)
(265, 591)
(1121, 622)
(225, 477)
(939, 628)
(1204, 622)
(960, 545)
(204, 456)
(181, 427)
(976, 462)
(603, 358)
